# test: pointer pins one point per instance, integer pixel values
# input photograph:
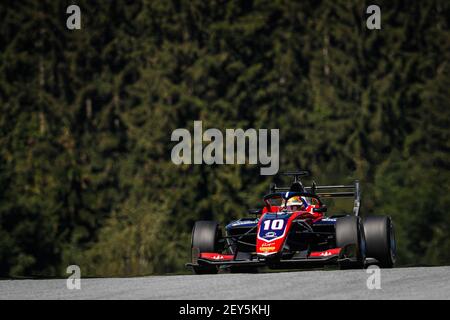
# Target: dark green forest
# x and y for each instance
(86, 119)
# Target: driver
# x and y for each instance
(296, 204)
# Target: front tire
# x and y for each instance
(350, 238)
(205, 238)
(380, 237)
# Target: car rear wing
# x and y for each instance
(331, 191)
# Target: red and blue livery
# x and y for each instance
(293, 230)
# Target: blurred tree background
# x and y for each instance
(86, 119)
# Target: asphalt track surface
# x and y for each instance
(398, 283)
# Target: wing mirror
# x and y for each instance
(322, 209)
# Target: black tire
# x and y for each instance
(350, 237)
(205, 238)
(380, 238)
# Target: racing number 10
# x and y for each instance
(276, 224)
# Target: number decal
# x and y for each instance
(276, 224)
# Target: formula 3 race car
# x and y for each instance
(293, 230)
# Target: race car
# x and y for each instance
(293, 230)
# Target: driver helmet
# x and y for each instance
(295, 204)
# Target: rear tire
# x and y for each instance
(380, 237)
(205, 238)
(350, 237)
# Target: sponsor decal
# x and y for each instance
(268, 244)
(267, 249)
(326, 253)
(238, 223)
(216, 256)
